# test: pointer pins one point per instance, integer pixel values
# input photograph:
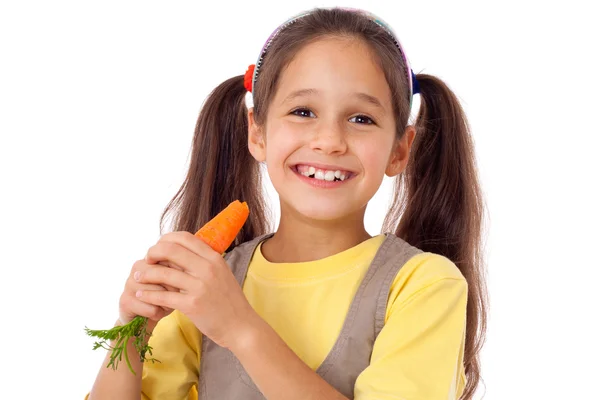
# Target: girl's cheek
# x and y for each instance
(286, 137)
(370, 155)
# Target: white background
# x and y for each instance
(98, 102)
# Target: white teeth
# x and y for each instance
(327, 175)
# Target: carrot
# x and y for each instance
(218, 233)
(222, 230)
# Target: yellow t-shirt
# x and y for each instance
(417, 355)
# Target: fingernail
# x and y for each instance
(138, 293)
(136, 276)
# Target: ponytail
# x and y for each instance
(440, 206)
(221, 169)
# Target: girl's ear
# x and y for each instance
(400, 153)
(256, 143)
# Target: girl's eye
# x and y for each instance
(362, 119)
(306, 113)
(303, 112)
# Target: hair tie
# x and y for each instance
(248, 77)
(415, 83)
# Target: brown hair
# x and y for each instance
(437, 204)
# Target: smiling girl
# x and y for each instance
(319, 309)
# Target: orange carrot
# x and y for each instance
(222, 230)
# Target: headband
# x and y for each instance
(253, 69)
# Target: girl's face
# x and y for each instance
(330, 131)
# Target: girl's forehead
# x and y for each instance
(334, 65)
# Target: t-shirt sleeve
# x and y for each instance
(176, 344)
(419, 352)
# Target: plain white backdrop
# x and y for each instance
(98, 102)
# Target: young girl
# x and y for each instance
(318, 309)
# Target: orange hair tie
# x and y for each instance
(248, 77)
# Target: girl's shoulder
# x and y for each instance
(421, 266)
(426, 278)
(427, 267)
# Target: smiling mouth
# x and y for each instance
(323, 174)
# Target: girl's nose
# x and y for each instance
(329, 139)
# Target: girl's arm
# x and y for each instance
(276, 370)
(119, 383)
(176, 344)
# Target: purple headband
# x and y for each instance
(413, 84)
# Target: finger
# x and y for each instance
(171, 300)
(142, 265)
(148, 286)
(166, 264)
(132, 284)
(135, 286)
(165, 276)
(141, 308)
(174, 253)
(170, 288)
(150, 311)
(183, 238)
(192, 243)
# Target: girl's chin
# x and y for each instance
(319, 210)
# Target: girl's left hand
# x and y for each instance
(209, 294)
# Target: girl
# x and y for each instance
(318, 309)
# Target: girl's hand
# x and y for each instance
(209, 294)
(130, 306)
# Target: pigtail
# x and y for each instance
(439, 201)
(221, 169)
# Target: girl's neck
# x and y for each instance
(301, 240)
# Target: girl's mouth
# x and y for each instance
(322, 177)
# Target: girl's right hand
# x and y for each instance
(130, 306)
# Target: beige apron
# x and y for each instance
(222, 376)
